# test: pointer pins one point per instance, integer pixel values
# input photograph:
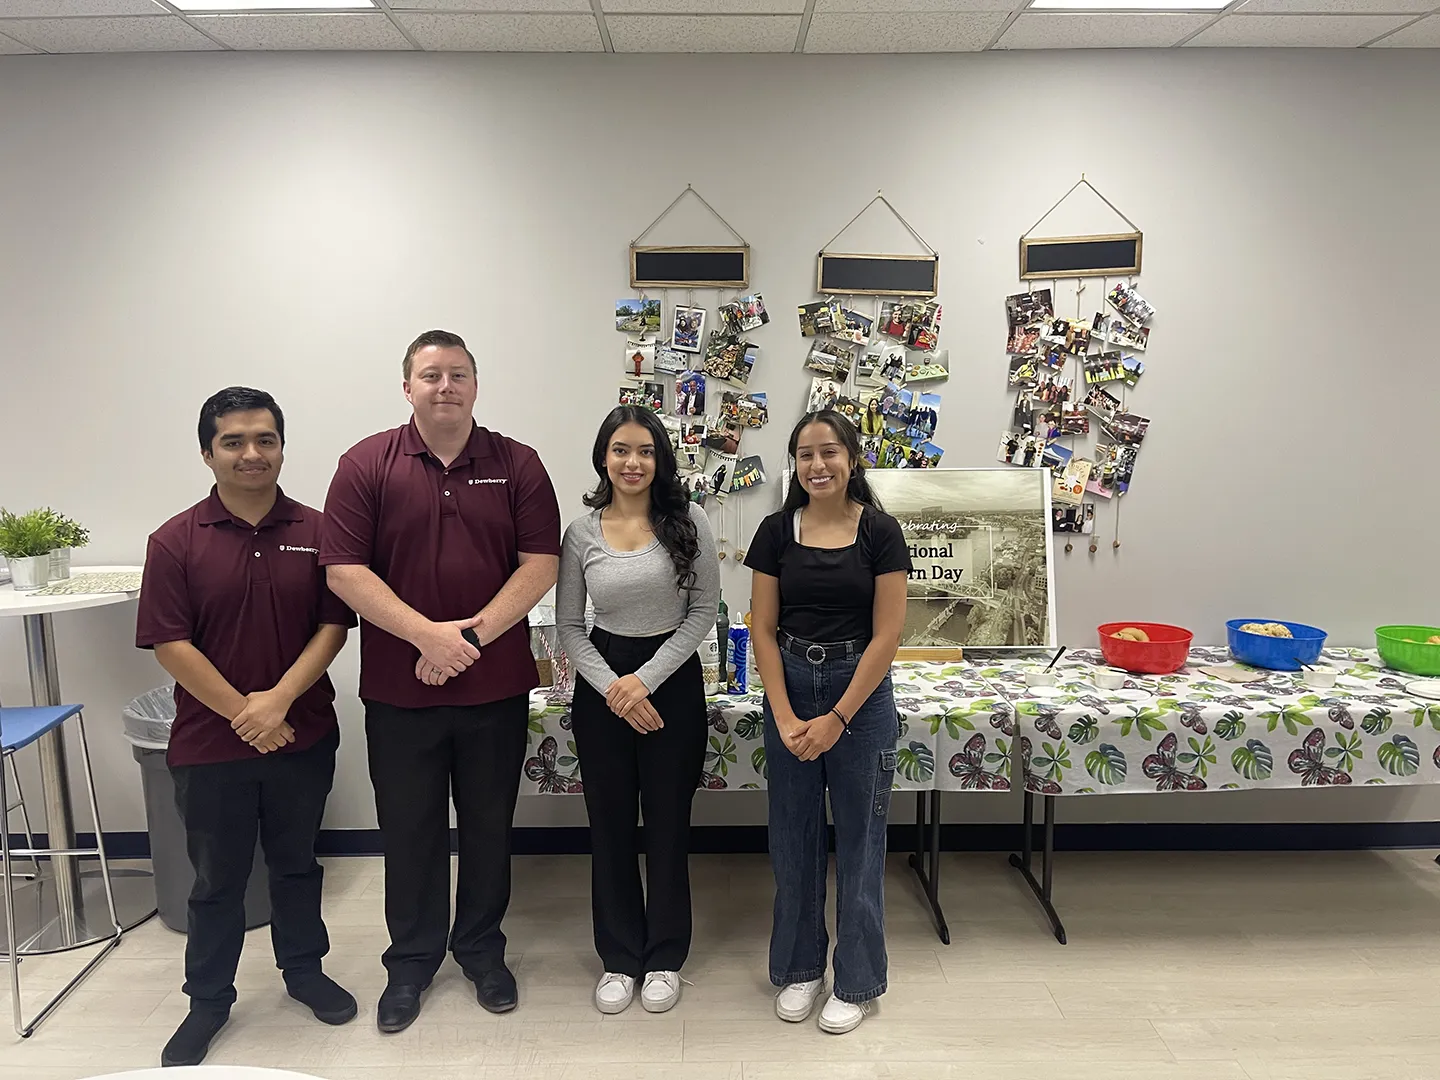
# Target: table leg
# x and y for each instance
(54, 776)
(1023, 862)
(929, 876)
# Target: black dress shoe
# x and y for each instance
(328, 1000)
(495, 989)
(399, 1006)
(191, 1041)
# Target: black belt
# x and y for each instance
(818, 653)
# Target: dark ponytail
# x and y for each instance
(669, 506)
(858, 490)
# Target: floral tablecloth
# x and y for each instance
(957, 733)
(1191, 732)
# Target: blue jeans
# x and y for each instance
(858, 770)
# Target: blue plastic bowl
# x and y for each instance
(1275, 654)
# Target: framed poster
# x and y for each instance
(980, 548)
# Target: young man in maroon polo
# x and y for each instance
(442, 536)
(235, 605)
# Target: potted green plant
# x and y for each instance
(69, 535)
(26, 541)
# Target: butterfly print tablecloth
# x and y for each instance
(1191, 732)
(957, 733)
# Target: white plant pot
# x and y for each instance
(29, 574)
(60, 564)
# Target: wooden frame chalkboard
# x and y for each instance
(690, 267)
(877, 275)
(1079, 256)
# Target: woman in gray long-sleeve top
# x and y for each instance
(646, 558)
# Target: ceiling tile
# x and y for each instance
(903, 32)
(1099, 30)
(888, 7)
(163, 33)
(11, 47)
(501, 6)
(275, 32)
(1298, 31)
(703, 33)
(1334, 7)
(1425, 34)
(703, 7)
(503, 33)
(59, 9)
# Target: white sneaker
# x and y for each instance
(614, 993)
(796, 1002)
(661, 991)
(838, 1016)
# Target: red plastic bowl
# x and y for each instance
(1163, 654)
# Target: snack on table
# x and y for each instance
(1132, 633)
(1267, 629)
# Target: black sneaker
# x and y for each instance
(191, 1041)
(328, 1000)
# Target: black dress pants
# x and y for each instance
(282, 798)
(419, 759)
(638, 931)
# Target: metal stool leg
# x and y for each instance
(7, 886)
(19, 804)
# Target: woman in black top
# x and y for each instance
(827, 608)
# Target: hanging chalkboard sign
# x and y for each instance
(690, 267)
(1079, 256)
(878, 275)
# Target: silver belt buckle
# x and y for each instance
(811, 651)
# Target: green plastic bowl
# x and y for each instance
(1414, 656)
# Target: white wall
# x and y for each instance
(174, 224)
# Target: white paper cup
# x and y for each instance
(1039, 678)
(1109, 680)
(1320, 678)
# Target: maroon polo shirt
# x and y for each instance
(250, 598)
(445, 540)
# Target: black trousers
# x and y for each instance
(419, 759)
(282, 798)
(637, 931)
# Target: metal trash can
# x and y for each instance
(147, 729)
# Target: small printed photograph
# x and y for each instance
(638, 360)
(1126, 428)
(870, 450)
(894, 320)
(746, 313)
(720, 467)
(692, 433)
(696, 484)
(1103, 368)
(750, 410)
(637, 316)
(721, 354)
(1056, 456)
(1074, 519)
(690, 394)
(1101, 403)
(673, 430)
(749, 473)
(1052, 388)
(850, 408)
(894, 454)
(921, 418)
(895, 401)
(1072, 335)
(824, 393)
(1047, 423)
(1067, 485)
(1051, 354)
(872, 419)
(1129, 303)
(1017, 448)
(1023, 340)
(1114, 466)
(831, 359)
(1075, 421)
(929, 455)
(1117, 331)
(724, 436)
(648, 395)
(1133, 367)
(1027, 312)
(1024, 372)
(852, 326)
(1022, 417)
(817, 319)
(743, 366)
(670, 360)
(929, 367)
(925, 328)
(688, 329)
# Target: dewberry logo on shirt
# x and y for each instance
(489, 480)
(306, 550)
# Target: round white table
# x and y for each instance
(63, 908)
(208, 1072)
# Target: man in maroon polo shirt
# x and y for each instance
(235, 605)
(443, 535)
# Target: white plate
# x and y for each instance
(1426, 688)
(1130, 694)
(1043, 691)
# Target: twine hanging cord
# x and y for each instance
(880, 197)
(1067, 194)
(689, 190)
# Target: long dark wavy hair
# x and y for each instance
(669, 506)
(858, 489)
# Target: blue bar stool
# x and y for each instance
(18, 729)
